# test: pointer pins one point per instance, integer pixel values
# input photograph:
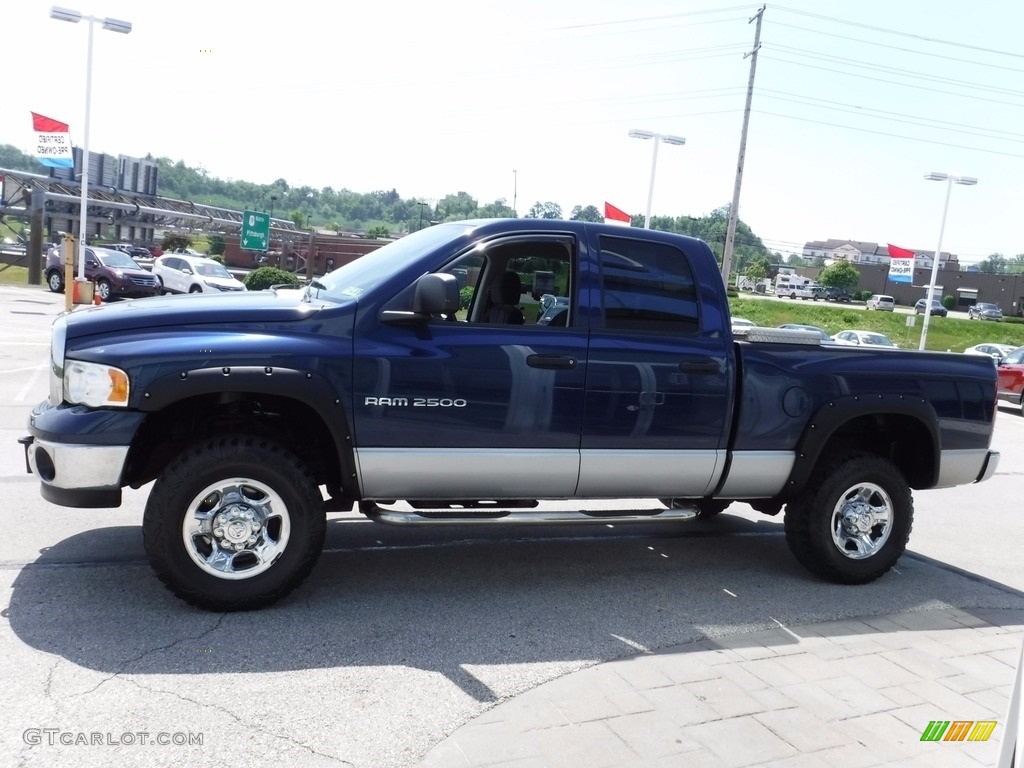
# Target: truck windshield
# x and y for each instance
(354, 279)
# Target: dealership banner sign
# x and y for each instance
(901, 264)
(53, 142)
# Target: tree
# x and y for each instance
(379, 231)
(546, 210)
(795, 260)
(993, 264)
(590, 213)
(175, 241)
(758, 268)
(217, 245)
(841, 274)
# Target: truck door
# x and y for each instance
(487, 404)
(659, 390)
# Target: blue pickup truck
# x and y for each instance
(427, 383)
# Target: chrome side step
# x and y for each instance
(521, 517)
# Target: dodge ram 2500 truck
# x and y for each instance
(425, 383)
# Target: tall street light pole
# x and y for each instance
(950, 180)
(515, 190)
(113, 25)
(658, 138)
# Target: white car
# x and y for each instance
(182, 273)
(741, 323)
(996, 351)
(869, 339)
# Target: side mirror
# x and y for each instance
(186, 271)
(434, 294)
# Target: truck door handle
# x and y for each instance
(557, 362)
(699, 367)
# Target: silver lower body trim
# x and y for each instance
(77, 467)
(962, 467)
(611, 474)
(757, 474)
(492, 473)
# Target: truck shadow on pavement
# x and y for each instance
(461, 606)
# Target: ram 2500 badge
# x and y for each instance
(435, 372)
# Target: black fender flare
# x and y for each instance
(306, 387)
(832, 415)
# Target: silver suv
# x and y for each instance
(881, 302)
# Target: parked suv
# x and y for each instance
(181, 273)
(114, 272)
(937, 309)
(984, 311)
(881, 302)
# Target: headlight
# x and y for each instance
(94, 384)
(58, 340)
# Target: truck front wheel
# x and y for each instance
(234, 524)
(853, 520)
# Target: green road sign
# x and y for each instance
(255, 231)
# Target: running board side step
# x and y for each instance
(521, 517)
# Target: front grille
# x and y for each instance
(145, 281)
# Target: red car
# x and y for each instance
(1011, 379)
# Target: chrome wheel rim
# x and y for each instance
(236, 528)
(862, 521)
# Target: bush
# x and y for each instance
(218, 258)
(465, 297)
(948, 301)
(264, 277)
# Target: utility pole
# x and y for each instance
(734, 209)
(515, 191)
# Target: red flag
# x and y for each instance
(900, 253)
(616, 214)
(42, 124)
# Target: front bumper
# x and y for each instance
(87, 476)
(79, 454)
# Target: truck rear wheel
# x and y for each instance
(853, 520)
(234, 524)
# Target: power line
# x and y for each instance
(893, 70)
(890, 135)
(888, 47)
(899, 33)
(891, 82)
(894, 116)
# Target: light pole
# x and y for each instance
(950, 180)
(658, 138)
(114, 25)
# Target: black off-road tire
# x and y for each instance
(811, 519)
(273, 479)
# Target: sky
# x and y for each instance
(853, 103)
